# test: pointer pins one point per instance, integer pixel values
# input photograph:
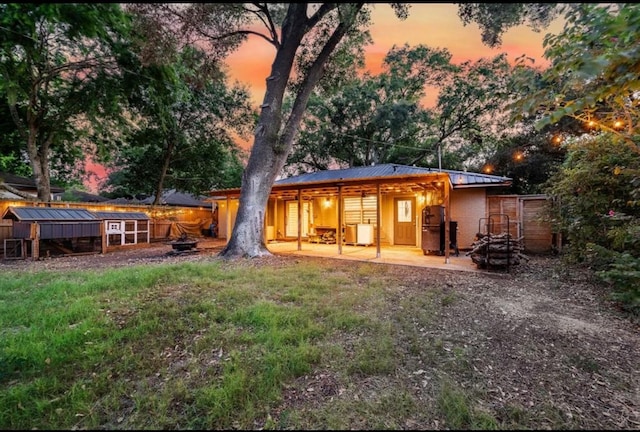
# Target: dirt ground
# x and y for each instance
(540, 333)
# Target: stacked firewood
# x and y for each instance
(496, 250)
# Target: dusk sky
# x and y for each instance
(436, 25)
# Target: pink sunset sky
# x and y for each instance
(436, 25)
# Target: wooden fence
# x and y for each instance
(526, 218)
(163, 218)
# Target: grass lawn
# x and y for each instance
(298, 344)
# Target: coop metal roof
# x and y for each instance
(47, 214)
(121, 215)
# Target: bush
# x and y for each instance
(596, 195)
(624, 276)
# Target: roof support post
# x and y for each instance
(35, 240)
(264, 223)
(275, 218)
(447, 218)
(299, 219)
(378, 221)
(228, 228)
(103, 237)
(339, 228)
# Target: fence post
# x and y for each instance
(35, 241)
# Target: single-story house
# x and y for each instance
(172, 197)
(14, 187)
(79, 196)
(386, 204)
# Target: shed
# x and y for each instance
(124, 228)
(51, 230)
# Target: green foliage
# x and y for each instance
(380, 119)
(596, 180)
(594, 72)
(593, 80)
(187, 117)
(494, 18)
(597, 209)
(57, 70)
(624, 275)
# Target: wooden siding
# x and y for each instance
(6, 229)
(536, 231)
(525, 220)
(69, 230)
(502, 215)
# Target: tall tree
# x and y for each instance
(381, 119)
(55, 63)
(594, 75)
(370, 118)
(186, 120)
(594, 79)
(289, 28)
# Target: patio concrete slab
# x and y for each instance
(403, 255)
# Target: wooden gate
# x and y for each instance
(528, 220)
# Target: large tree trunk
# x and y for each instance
(38, 152)
(39, 158)
(268, 153)
(163, 171)
(271, 146)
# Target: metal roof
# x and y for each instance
(408, 179)
(176, 198)
(390, 171)
(120, 215)
(6, 195)
(47, 214)
(23, 183)
(79, 196)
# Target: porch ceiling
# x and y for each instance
(367, 189)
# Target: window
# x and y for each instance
(405, 212)
(360, 210)
(292, 219)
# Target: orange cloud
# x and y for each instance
(436, 25)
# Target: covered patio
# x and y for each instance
(373, 209)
